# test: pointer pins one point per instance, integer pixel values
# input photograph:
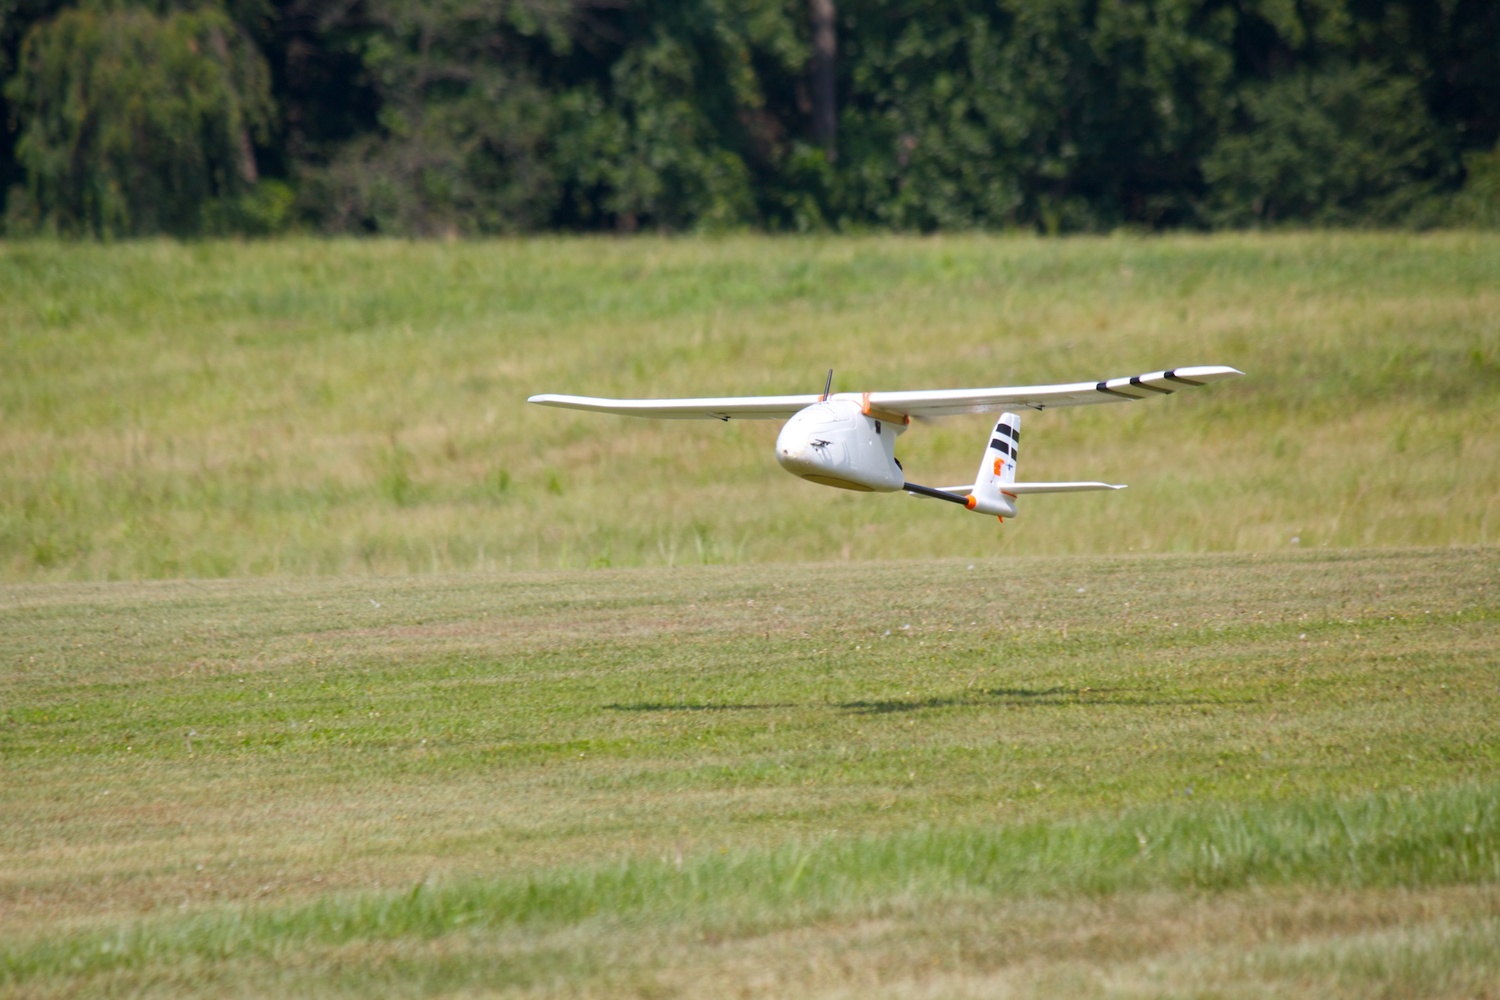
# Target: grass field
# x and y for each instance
(224, 410)
(1227, 775)
(328, 666)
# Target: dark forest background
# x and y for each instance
(434, 117)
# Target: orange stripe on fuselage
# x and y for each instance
(889, 416)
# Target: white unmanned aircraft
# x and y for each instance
(848, 439)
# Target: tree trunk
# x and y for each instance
(821, 70)
(248, 173)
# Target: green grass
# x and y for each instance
(1106, 776)
(1403, 842)
(327, 666)
(314, 407)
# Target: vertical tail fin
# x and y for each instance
(999, 465)
(998, 469)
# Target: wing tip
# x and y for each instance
(1208, 373)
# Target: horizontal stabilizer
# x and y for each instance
(1018, 489)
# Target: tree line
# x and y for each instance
(428, 117)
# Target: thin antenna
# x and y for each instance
(827, 386)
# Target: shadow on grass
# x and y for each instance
(1012, 697)
(1035, 697)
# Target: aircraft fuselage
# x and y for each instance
(837, 443)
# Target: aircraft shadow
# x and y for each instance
(1032, 698)
(994, 697)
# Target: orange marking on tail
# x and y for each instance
(971, 503)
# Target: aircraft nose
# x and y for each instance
(791, 446)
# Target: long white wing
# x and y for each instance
(722, 408)
(927, 403)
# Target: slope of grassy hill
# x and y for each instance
(321, 407)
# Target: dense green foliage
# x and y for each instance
(489, 116)
(137, 123)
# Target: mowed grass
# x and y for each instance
(322, 407)
(1133, 775)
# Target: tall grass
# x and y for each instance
(325, 407)
(1442, 837)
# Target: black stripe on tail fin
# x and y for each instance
(998, 466)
